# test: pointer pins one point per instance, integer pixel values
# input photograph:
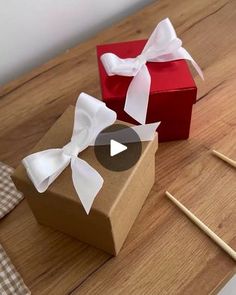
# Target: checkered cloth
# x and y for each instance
(11, 282)
(9, 196)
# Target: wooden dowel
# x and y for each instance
(224, 158)
(202, 226)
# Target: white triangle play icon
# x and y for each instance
(116, 147)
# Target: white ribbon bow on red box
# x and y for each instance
(162, 46)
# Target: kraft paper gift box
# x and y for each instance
(172, 90)
(115, 207)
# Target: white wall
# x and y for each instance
(33, 31)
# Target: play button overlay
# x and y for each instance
(118, 147)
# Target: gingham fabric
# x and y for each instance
(11, 282)
(9, 196)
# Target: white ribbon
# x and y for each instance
(91, 117)
(163, 45)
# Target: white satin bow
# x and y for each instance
(163, 45)
(91, 117)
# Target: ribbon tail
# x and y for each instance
(87, 182)
(146, 132)
(197, 68)
(137, 97)
(183, 53)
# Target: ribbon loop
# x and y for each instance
(162, 46)
(44, 167)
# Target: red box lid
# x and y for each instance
(165, 76)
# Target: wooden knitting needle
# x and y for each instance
(202, 226)
(224, 158)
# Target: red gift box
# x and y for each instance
(172, 93)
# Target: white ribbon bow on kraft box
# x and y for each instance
(162, 46)
(91, 117)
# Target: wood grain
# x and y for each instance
(164, 253)
(174, 256)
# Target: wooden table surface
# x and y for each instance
(164, 252)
